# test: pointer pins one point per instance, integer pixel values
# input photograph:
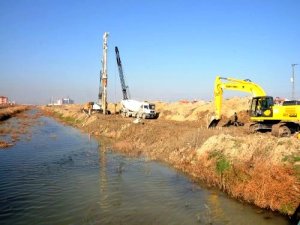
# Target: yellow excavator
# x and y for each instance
(282, 120)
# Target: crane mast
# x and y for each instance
(103, 76)
(123, 85)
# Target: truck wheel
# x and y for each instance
(284, 131)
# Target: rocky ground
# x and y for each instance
(257, 168)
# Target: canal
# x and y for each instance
(62, 176)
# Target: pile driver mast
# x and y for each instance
(122, 79)
(103, 76)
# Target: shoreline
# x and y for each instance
(10, 132)
(264, 172)
(11, 111)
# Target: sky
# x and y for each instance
(170, 50)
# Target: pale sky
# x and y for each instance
(170, 50)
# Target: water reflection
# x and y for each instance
(214, 208)
(103, 179)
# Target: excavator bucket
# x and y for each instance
(213, 122)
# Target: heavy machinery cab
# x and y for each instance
(152, 106)
(262, 106)
(148, 108)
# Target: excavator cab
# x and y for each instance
(262, 106)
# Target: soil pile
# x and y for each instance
(202, 111)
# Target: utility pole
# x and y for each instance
(293, 80)
(104, 75)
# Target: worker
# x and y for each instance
(259, 108)
(235, 122)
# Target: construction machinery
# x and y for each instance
(101, 106)
(92, 106)
(129, 107)
(138, 109)
(103, 77)
(125, 90)
(282, 120)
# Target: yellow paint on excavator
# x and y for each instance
(223, 83)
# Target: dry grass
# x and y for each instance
(6, 113)
(244, 148)
(4, 144)
(267, 185)
(14, 130)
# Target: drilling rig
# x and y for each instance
(101, 106)
(103, 77)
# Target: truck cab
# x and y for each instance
(147, 110)
(139, 109)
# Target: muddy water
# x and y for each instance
(61, 176)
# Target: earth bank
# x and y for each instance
(10, 132)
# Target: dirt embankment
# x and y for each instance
(256, 168)
(8, 112)
(201, 111)
(11, 131)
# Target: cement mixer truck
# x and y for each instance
(129, 107)
(138, 109)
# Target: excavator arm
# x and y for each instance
(222, 83)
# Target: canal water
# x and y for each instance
(62, 176)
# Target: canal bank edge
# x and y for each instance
(10, 111)
(7, 112)
(258, 168)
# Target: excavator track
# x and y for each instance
(275, 130)
(251, 127)
(281, 130)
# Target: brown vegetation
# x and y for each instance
(12, 130)
(8, 112)
(4, 144)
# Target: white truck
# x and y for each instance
(98, 108)
(90, 107)
(138, 109)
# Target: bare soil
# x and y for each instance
(257, 168)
